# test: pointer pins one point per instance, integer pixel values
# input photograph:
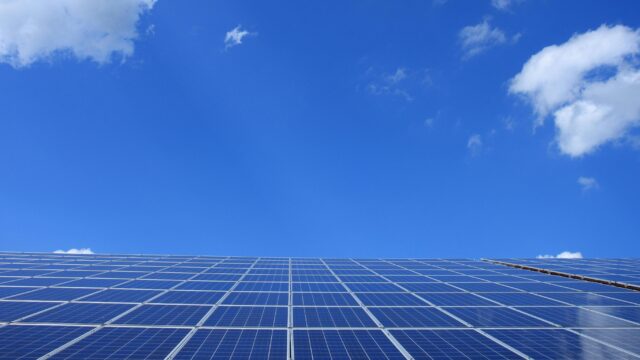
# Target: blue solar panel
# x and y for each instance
(256, 298)
(324, 299)
(331, 317)
(94, 283)
(495, 317)
(437, 309)
(582, 298)
(626, 339)
(575, 317)
(125, 343)
(189, 297)
(117, 295)
(455, 299)
(521, 299)
(148, 284)
(451, 344)
(344, 344)
(164, 315)
(414, 317)
(248, 316)
(262, 286)
(556, 344)
(205, 285)
(38, 281)
(32, 342)
(11, 291)
(14, 310)
(54, 294)
(630, 313)
(78, 313)
(390, 299)
(318, 287)
(235, 344)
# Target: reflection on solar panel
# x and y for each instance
(185, 307)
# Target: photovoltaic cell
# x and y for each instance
(164, 315)
(248, 316)
(235, 344)
(556, 344)
(55, 294)
(116, 295)
(249, 298)
(324, 299)
(11, 291)
(32, 342)
(431, 314)
(414, 317)
(125, 343)
(344, 344)
(189, 297)
(80, 313)
(14, 310)
(331, 317)
(451, 344)
(495, 317)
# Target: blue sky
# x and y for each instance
(326, 128)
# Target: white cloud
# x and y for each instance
(37, 30)
(474, 144)
(589, 84)
(563, 255)
(81, 251)
(475, 39)
(397, 76)
(234, 37)
(588, 183)
(501, 4)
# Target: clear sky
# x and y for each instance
(321, 128)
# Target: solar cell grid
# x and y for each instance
(78, 313)
(556, 344)
(54, 294)
(248, 316)
(235, 344)
(390, 299)
(124, 343)
(32, 342)
(324, 299)
(327, 317)
(451, 344)
(344, 344)
(164, 315)
(14, 310)
(402, 317)
(189, 297)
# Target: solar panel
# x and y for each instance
(147, 307)
(32, 342)
(451, 344)
(235, 344)
(164, 315)
(248, 316)
(124, 343)
(188, 297)
(14, 310)
(557, 344)
(79, 313)
(404, 317)
(344, 344)
(325, 317)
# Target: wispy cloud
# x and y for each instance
(588, 183)
(36, 30)
(235, 36)
(475, 39)
(474, 144)
(501, 4)
(563, 255)
(81, 251)
(589, 84)
(398, 82)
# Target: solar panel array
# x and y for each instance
(185, 307)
